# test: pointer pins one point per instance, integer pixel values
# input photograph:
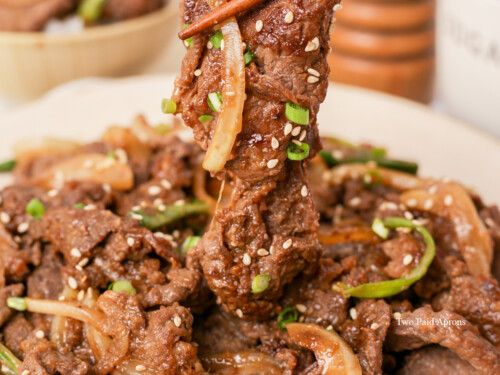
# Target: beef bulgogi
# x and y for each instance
(125, 256)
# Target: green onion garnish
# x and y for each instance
(297, 114)
(215, 101)
(205, 118)
(111, 154)
(328, 158)
(217, 39)
(288, 315)
(79, 206)
(189, 41)
(189, 243)
(122, 286)
(35, 208)
(91, 10)
(260, 283)
(389, 288)
(171, 214)
(162, 129)
(297, 152)
(7, 166)
(378, 153)
(168, 106)
(380, 229)
(17, 303)
(10, 363)
(249, 56)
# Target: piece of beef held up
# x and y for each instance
(264, 234)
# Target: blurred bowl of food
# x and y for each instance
(44, 43)
(468, 60)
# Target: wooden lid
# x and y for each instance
(386, 15)
(375, 44)
(411, 78)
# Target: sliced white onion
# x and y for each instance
(229, 121)
(30, 148)
(334, 356)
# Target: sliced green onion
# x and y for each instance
(189, 243)
(260, 283)
(91, 10)
(249, 56)
(35, 208)
(297, 152)
(189, 41)
(7, 166)
(380, 229)
(388, 288)
(171, 214)
(163, 129)
(79, 206)
(297, 114)
(377, 153)
(111, 154)
(205, 118)
(215, 101)
(10, 363)
(122, 286)
(17, 303)
(168, 106)
(328, 158)
(288, 315)
(217, 39)
(372, 178)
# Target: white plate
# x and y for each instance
(443, 147)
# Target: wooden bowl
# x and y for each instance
(32, 63)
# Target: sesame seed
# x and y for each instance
(61, 298)
(39, 334)
(90, 207)
(52, 193)
(121, 155)
(448, 200)
(388, 206)
(408, 258)
(73, 284)
(186, 43)
(166, 184)
(329, 328)
(222, 44)
(81, 295)
(408, 215)
(433, 189)
(288, 128)
(296, 131)
(106, 188)
(259, 25)
(275, 143)
(162, 207)
(312, 45)
(489, 222)
(303, 135)
(397, 315)
(180, 202)
(312, 79)
(136, 216)
(296, 142)
(210, 45)
(246, 259)
(374, 326)
(289, 17)
(177, 320)
(287, 244)
(412, 202)
(5, 218)
(262, 252)
(337, 7)
(130, 241)
(428, 204)
(197, 72)
(354, 202)
(23, 227)
(272, 163)
(83, 262)
(313, 72)
(239, 313)
(154, 190)
(75, 253)
(140, 368)
(304, 191)
(25, 372)
(301, 308)
(353, 313)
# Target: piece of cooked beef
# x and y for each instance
(413, 330)
(436, 360)
(31, 15)
(270, 207)
(366, 333)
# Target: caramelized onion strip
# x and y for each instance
(334, 356)
(247, 362)
(229, 121)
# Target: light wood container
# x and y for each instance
(32, 63)
(386, 45)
